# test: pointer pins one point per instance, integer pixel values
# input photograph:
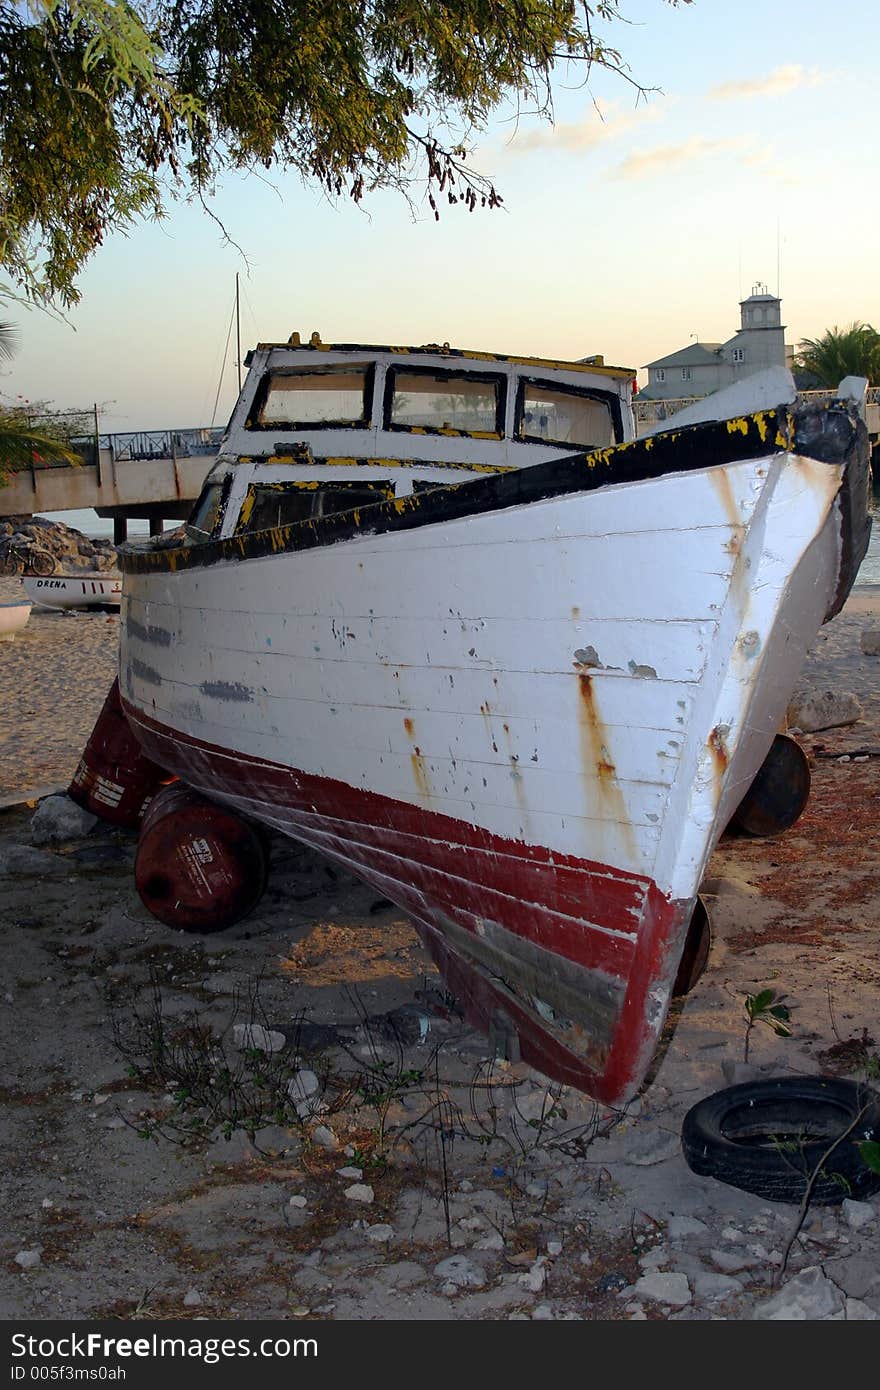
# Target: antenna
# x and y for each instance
(778, 261)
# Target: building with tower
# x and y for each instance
(700, 368)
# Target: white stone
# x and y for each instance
(869, 641)
(858, 1214)
(814, 709)
(303, 1086)
(350, 1172)
(809, 1296)
(359, 1192)
(298, 1200)
(58, 820)
(28, 1259)
(461, 1272)
(192, 1298)
(254, 1035)
(672, 1289)
(554, 1247)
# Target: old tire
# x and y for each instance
(768, 1137)
(779, 792)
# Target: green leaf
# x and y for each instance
(869, 1150)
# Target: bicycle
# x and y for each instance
(26, 557)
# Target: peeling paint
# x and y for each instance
(647, 672)
(227, 690)
(589, 657)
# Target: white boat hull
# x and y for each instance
(13, 617)
(528, 725)
(75, 590)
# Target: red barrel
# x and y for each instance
(114, 780)
(199, 866)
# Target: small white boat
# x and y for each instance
(75, 590)
(441, 616)
(13, 617)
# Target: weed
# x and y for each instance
(765, 1007)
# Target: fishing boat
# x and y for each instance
(441, 616)
(13, 617)
(102, 590)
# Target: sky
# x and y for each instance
(628, 228)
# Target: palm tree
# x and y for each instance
(20, 443)
(850, 351)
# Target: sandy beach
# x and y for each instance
(406, 1174)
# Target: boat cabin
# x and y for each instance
(319, 429)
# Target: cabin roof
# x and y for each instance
(443, 350)
(694, 355)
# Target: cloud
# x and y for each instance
(664, 157)
(603, 124)
(777, 83)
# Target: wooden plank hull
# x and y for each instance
(527, 724)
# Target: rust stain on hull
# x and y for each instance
(600, 770)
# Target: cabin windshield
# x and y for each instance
(421, 400)
(205, 515)
(312, 397)
(551, 416)
(269, 505)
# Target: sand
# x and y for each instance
(557, 1207)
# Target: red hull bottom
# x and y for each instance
(569, 960)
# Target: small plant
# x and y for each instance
(765, 1007)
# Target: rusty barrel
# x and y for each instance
(199, 866)
(779, 792)
(114, 780)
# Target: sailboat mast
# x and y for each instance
(237, 332)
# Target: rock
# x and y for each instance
(857, 1311)
(359, 1192)
(493, 1241)
(858, 1215)
(21, 861)
(277, 1140)
(325, 1138)
(350, 1172)
(58, 820)
(672, 1289)
(730, 1263)
(857, 1275)
(192, 1299)
(709, 1285)
(814, 709)
(28, 1259)
(298, 1201)
(612, 1283)
(869, 641)
(811, 1295)
(379, 1234)
(535, 1278)
(461, 1272)
(654, 1259)
(71, 549)
(303, 1085)
(254, 1035)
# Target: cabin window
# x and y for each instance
(549, 415)
(206, 514)
(739, 355)
(685, 373)
(270, 505)
(660, 374)
(313, 398)
(444, 403)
